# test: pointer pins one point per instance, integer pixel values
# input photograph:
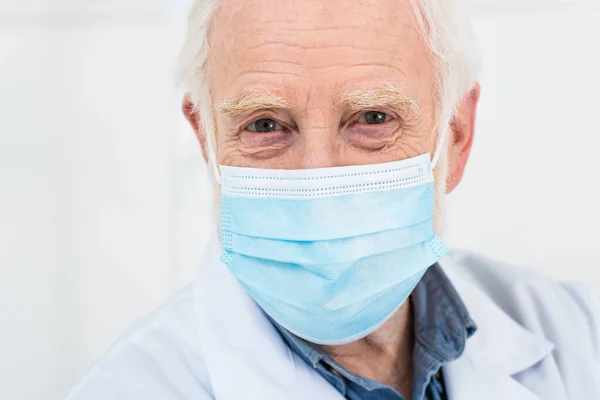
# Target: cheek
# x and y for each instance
(373, 137)
(411, 144)
(417, 136)
(257, 150)
(225, 144)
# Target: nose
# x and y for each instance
(320, 147)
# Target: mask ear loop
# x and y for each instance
(440, 146)
(212, 157)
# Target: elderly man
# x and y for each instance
(334, 130)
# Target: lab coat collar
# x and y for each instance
(500, 343)
(247, 358)
(499, 349)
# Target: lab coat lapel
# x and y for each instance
(466, 381)
(245, 356)
(498, 350)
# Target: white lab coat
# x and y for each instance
(536, 339)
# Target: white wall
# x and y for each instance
(104, 201)
(87, 105)
(531, 193)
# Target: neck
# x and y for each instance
(385, 356)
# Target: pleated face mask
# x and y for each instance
(331, 253)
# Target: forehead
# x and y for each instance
(315, 46)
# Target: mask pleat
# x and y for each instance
(321, 252)
(330, 218)
(330, 253)
(331, 286)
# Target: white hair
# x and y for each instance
(445, 27)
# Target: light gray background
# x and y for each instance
(104, 204)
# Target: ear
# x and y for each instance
(462, 131)
(191, 114)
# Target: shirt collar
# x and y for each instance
(442, 323)
(309, 353)
(501, 343)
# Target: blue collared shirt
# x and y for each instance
(442, 326)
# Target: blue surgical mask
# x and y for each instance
(331, 253)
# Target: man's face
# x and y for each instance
(308, 84)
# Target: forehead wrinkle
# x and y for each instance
(247, 102)
(388, 95)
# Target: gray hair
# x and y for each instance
(444, 24)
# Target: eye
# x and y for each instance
(264, 125)
(373, 117)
